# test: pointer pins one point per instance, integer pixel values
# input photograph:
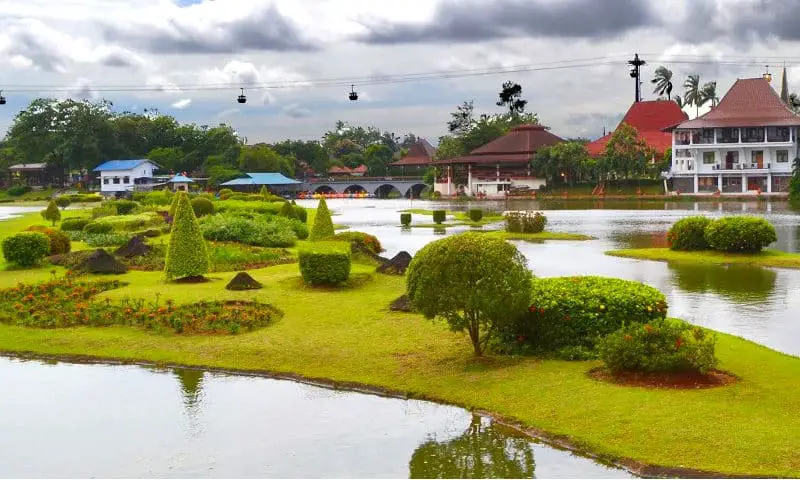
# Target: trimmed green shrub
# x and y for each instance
(252, 231)
(474, 282)
(662, 346)
(323, 224)
(52, 213)
(359, 240)
(325, 263)
(569, 315)
(139, 196)
(226, 192)
(202, 207)
(132, 223)
(158, 197)
(476, 214)
(106, 239)
(302, 213)
(85, 197)
(405, 219)
(97, 228)
(173, 206)
(525, 222)
(439, 216)
(125, 207)
(107, 209)
(289, 211)
(63, 201)
(74, 224)
(740, 234)
(688, 234)
(186, 254)
(26, 249)
(237, 206)
(59, 241)
(18, 190)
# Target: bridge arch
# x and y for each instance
(415, 191)
(324, 189)
(388, 190)
(354, 188)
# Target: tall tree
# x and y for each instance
(709, 94)
(511, 98)
(693, 94)
(626, 154)
(261, 158)
(377, 159)
(462, 119)
(663, 82)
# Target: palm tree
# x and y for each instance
(663, 81)
(679, 100)
(693, 95)
(709, 94)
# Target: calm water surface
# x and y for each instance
(66, 420)
(759, 304)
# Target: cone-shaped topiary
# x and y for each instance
(52, 213)
(186, 254)
(173, 206)
(265, 193)
(289, 211)
(323, 225)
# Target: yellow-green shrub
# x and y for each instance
(325, 263)
(186, 255)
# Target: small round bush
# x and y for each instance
(18, 190)
(96, 228)
(405, 219)
(63, 201)
(360, 240)
(325, 263)
(476, 214)
(288, 211)
(740, 234)
(439, 216)
(225, 191)
(688, 234)
(74, 224)
(525, 222)
(124, 207)
(202, 206)
(664, 346)
(26, 249)
(59, 241)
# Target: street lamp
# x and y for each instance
(767, 76)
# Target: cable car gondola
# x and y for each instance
(2, 98)
(242, 98)
(353, 94)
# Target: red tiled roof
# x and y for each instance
(359, 169)
(649, 118)
(517, 146)
(751, 102)
(420, 153)
(346, 170)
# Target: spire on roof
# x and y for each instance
(784, 87)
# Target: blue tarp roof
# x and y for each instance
(263, 179)
(120, 165)
(180, 179)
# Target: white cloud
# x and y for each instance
(182, 103)
(296, 111)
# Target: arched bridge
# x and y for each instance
(379, 187)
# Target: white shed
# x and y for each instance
(122, 175)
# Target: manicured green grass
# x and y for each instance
(33, 195)
(538, 236)
(766, 258)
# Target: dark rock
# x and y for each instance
(358, 248)
(101, 261)
(136, 247)
(243, 281)
(402, 304)
(397, 265)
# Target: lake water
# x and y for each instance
(66, 420)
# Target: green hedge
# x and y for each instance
(74, 224)
(569, 315)
(26, 249)
(405, 219)
(236, 206)
(476, 214)
(289, 211)
(59, 241)
(525, 222)
(131, 223)
(18, 190)
(325, 263)
(251, 231)
(688, 234)
(302, 213)
(740, 234)
(85, 197)
(125, 207)
(439, 216)
(158, 197)
(97, 228)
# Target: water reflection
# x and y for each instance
(737, 282)
(485, 450)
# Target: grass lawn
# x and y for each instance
(461, 218)
(766, 258)
(538, 236)
(33, 195)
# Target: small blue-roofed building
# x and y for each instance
(119, 176)
(180, 183)
(275, 183)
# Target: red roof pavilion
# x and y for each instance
(515, 147)
(420, 153)
(649, 118)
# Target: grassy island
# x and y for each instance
(765, 258)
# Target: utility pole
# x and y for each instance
(635, 64)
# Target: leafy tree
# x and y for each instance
(52, 213)
(449, 147)
(377, 159)
(511, 98)
(709, 94)
(352, 160)
(186, 253)
(482, 451)
(218, 175)
(261, 158)
(567, 160)
(462, 119)
(693, 93)
(663, 82)
(474, 282)
(323, 224)
(312, 153)
(429, 177)
(794, 103)
(168, 158)
(626, 154)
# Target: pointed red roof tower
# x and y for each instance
(649, 118)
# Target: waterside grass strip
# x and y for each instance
(766, 258)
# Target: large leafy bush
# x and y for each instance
(302, 213)
(63, 201)
(360, 240)
(158, 197)
(239, 206)
(125, 207)
(525, 222)
(130, 223)
(325, 263)
(202, 207)
(26, 248)
(658, 347)
(106, 209)
(688, 234)
(289, 211)
(569, 315)
(740, 234)
(252, 231)
(18, 190)
(186, 254)
(59, 241)
(323, 224)
(74, 224)
(97, 228)
(474, 282)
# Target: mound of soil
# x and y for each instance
(136, 247)
(397, 265)
(677, 381)
(243, 281)
(101, 261)
(402, 304)
(194, 279)
(69, 260)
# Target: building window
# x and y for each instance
(757, 159)
(683, 154)
(116, 180)
(704, 136)
(782, 156)
(709, 158)
(753, 135)
(682, 138)
(777, 134)
(126, 180)
(731, 159)
(105, 180)
(728, 135)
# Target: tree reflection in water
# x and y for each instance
(191, 387)
(484, 450)
(737, 282)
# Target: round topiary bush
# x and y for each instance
(439, 216)
(26, 249)
(202, 206)
(476, 283)
(59, 241)
(18, 190)
(476, 214)
(688, 234)
(186, 253)
(323, 224)
(125, 207)
(740, 234)
(405, 219)
(74, 224)
(63, 201)
(288, 211)
(98, 228)
(325, 263)
(51, 213)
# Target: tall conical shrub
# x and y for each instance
(265, 194)
(323, 225)
(186, 254)
(289, 211)
(173, 206)
(52, 213)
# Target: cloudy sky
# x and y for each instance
(188, 58)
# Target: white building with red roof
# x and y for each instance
(744, 144)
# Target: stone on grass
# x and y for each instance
(243, 281)
(101, 261)
(136, 247)
(397, 265)
(402, 304)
